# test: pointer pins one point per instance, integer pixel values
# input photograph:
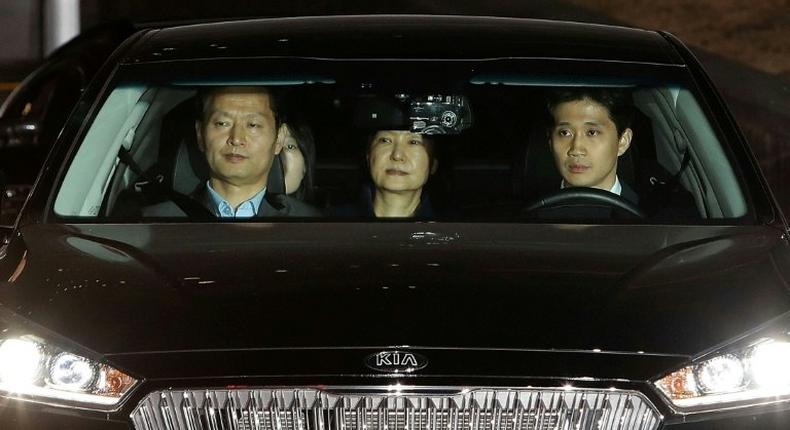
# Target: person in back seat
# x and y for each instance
(298, 157)
(400, 163)
(589, 133)
(240, 133)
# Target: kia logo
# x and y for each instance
(396, 361)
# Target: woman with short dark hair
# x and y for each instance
(400, 163)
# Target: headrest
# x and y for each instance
(276, 181)
(190, 170)
(540, 175)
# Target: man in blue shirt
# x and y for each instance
(240, 133)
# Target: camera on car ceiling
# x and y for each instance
(434, 114)
(439, 114)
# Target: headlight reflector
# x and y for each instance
(756, 374)
(31, 369)
(722, 374)
(71, 372)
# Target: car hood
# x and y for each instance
(119, 289)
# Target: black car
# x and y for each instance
(34, 113)
(507, 297)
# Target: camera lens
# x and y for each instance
(449, 118)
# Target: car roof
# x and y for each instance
(404, 36)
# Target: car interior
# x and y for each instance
(142, 147)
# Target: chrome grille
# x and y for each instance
(394, 409)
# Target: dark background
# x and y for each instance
(744, 44)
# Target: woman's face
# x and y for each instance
(399, 161)
(293, 163)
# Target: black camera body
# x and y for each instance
(439, 114)
(434, 114)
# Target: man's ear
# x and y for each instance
(279, 139)
(625, 141)
(199, 133)
(434, 166)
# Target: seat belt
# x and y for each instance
(662, 192)
(675, 179)
(192, 208)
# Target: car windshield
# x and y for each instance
(473, 141)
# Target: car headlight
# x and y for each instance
(31, 369)
(754, 370)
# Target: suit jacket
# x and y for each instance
(272, 205)
(628, 193)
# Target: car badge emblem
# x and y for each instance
(396, 361)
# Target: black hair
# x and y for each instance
(204, 95)
(304, 139)
(617, 102)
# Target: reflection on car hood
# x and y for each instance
(658, 289)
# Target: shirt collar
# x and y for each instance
(617, 188)
(247, 208)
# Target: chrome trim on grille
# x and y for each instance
(396, 408)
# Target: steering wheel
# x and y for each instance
(585, 196)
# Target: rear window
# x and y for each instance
(489, 141)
